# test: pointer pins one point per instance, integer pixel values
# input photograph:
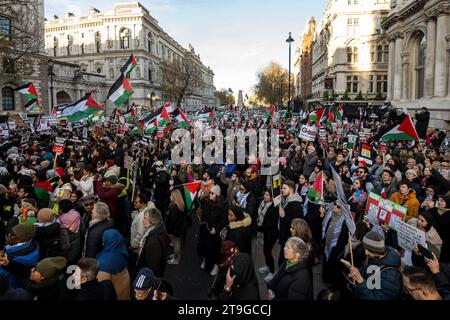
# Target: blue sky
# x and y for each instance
(236, 38)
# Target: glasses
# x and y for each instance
(88, 204)
(337, 206)
(211, 192)
(241, 189)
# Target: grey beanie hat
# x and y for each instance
(374, 242)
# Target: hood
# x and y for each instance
(247, 221)
(117, 186)
(113, 242)
(45, 185)
(244, 270)
(70, 220)
(391, 259)
(53, 227)
(294, 197)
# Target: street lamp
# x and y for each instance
(289, 40)
(51, 63)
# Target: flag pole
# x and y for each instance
(350, 247)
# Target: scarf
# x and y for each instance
(336, 232)
(207, 183)
(290, 264)
(263, 207)
(92, 222)
(144, 238)
(442, 211)
(242, 199)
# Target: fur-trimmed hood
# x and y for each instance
(247, 221)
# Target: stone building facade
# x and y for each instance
(419, 54)
(304, 61)
(101, 42)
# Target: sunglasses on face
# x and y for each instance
(337, 206)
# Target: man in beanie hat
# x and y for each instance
(44, 282)
(380, 278)
(20, 255)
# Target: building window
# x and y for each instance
(355, 2)
(386, 53)
(9, 66)
(69, 44)
(352, 25)
(55, 46)
(352, 84)
(379, 53)
(371, 84)
(150, 76)
(98, 41)
(420, 65)
(82, 48)
(125, 35)
(5, 26)
(382, 83)
(352, 54)
(149, 42)
(372, 54)
(8, 98)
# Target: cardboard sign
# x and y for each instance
(322, 135)
(276, 189)
(379, 211)
(409, 236)
(128, 162)
(365, 153)
(25, 137)
(351, 141)
(308, 133)
(58, 149)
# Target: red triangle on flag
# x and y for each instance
(126, 84)
(91, 103)
(165, 114)
(193, 186)
(407, 127)
(32, 90)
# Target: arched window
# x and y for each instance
(7, 99)
(69, 44)
(149, 42)
(98, 41)
(82, 48)
(420, 55)
(352, 55)
(55, 46)
(125, 35)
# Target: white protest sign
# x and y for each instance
(127, 162)
(12, 125)
(409, 236)
(85, 133)
(308, 133)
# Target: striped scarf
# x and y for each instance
(336, 232)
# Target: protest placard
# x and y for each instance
(365, 153)
(409, 236)
(379, 211)
(308, 133)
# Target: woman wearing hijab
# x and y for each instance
(293, 280)
(113, 262)
(229, 250)
(241, 282)
(441, 215)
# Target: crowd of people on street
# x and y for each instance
(87, 224)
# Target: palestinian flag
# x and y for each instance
(33, 105)
(340, 114)
(316, 116)
(269, 114)
(120, 91)
(130, 114)
(129, 66)
(85, 108)
(190, 193)
(28, 90)
(315, 193)
(329, 118)
(181, 121)
(160, 118)
(205, 116)
(402, 130)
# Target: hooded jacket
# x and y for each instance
(85, 185)
(70, 229)
(93, 237)
(240, 233)
(409, 201)
(391, 282)
(442, 226)
(49, 238)
(293, 209)
(153, 252)
(109, 195)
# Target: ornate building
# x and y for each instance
(350, 52)
(419, 57)
(101, 42)
(22, 54)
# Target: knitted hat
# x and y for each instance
(216, 190)
(283, 161)
(49, 267)
(238, 213)
(145, 279)
(411, 171)
(429, 218)
(374, 242)
(113, 179)
(24, 232)
(90, 199)
(45, 164)
(110, 163)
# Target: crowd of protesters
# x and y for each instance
(121, 226)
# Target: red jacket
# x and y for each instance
(109, 195)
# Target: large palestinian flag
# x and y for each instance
(316, 116)
(33, 105)
(402, 130)
(129, 66)
(28, 90)
(85, 108)
(120, 91)
(160, 118)
(315, 193)
(181, 121)
(205, 116)
(190, 191)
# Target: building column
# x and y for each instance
(448, 65)
(398, 76)
(430, 56)
(406, 78)
(391, 66)
(440, 73)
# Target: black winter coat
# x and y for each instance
(423, 120)
(176, 221)
(240, 233)
(293, 209)
(49, 240)
(154, 254)
(95, 290)
(294, 283)
(269, 227)
(93, 238)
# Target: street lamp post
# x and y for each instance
(289, 40)
(50, 66)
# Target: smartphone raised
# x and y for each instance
(425, 252)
